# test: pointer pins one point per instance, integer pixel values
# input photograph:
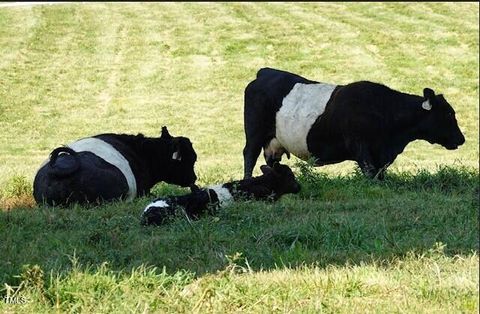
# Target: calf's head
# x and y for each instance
(440, 125)
(282, 178)
(156, 213)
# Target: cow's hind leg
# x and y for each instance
(251, 152)
(258, 123)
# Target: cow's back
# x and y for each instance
(274, 84)
(365, 106)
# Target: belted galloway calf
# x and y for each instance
(363, 121)
(275, 182)
(105, 167)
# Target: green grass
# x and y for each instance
(429, 283)
(409, 242)
(344, 244)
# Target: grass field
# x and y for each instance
(344, 244)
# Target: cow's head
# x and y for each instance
(182, 158)
(440, 125)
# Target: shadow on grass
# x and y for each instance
(339, 220)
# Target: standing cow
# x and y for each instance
(112, 166)
(362, 121)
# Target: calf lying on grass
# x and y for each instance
(112, 166)
(274, 182)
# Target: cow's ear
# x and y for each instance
(165, 135)
(429, 95)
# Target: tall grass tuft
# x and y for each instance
(17, 193)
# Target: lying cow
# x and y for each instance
(112, 166)
(362, 121)
(274, 182)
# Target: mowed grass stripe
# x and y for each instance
(11, 39)
(147, 65)
(51, 77)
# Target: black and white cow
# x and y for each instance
(112, 166)
(363, 121)
(275, 182)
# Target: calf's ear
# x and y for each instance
(266, 169)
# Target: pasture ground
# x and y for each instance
(408, 244)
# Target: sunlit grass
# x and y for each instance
(423, 283)
(67, 74)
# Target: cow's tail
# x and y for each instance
(66, 165)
